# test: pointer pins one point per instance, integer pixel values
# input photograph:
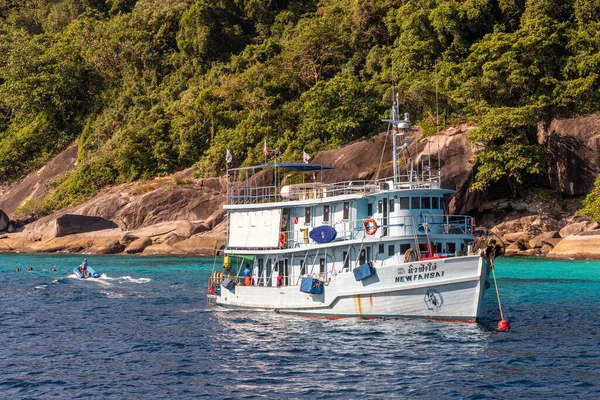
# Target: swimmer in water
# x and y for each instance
(30, 269)
(45, 269)
(53, 269)
(17, 269)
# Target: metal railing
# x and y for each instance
(269, 194)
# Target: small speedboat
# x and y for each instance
(91, 273)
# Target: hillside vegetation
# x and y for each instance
(148, 87)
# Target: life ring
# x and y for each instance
(370, 222)
(282, 240)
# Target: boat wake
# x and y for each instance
(123, 279)
(109, 280)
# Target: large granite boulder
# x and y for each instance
(69, 224)
(577, 227)
(584, 245)
(161, 249)
(138, 245)
(572, 146)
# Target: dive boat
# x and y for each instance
(91, 273)
(379, 248)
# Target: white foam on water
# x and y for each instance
(41, 287)
(112, 295)
(134, 280)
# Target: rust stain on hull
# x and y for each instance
(358, 305)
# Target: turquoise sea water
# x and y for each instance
(144, 331)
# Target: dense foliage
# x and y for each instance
(147, 87)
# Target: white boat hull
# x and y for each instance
(446, 288)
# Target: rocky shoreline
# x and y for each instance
(183, 215)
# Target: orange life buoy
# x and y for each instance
(370, 226)
(282, 240)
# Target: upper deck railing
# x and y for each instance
(247, 194)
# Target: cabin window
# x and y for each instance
(307, 216)
(346, 210)
(346, 260)
(425, 202)
(415, 203)
(450, 248)
(325, 213)
(363, 257)
(302, 268)
(380, 206)
(404, 203)
(322, 265)
(381, 248)
(370, 209)
(435, 203)
(404, 248)
(391, 205)
(391, 250)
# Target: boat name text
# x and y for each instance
(415, 273)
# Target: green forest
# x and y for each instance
(149, 87)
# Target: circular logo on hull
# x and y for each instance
(434, 300)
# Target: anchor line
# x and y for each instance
(496, 285)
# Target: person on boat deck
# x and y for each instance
(247, 275)
(279, 280)
(492, 250)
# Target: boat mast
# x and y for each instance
(399, 127)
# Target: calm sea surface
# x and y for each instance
(144, 331)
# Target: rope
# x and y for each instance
(497, 292)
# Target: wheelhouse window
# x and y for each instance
(450, 248)
(381, 248)
(391, 205)
(369, 209)
(307, 216)
(415, 203)
(391, 250)
(425, 202)
(435, 204)
(326, 213)
(346, 210)
(404, 203)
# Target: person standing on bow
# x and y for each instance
(247, 275)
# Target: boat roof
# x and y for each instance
(295, 166)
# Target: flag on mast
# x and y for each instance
(305, 157)
(228, 157)
(266, 149)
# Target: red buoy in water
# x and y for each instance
(503, 325)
